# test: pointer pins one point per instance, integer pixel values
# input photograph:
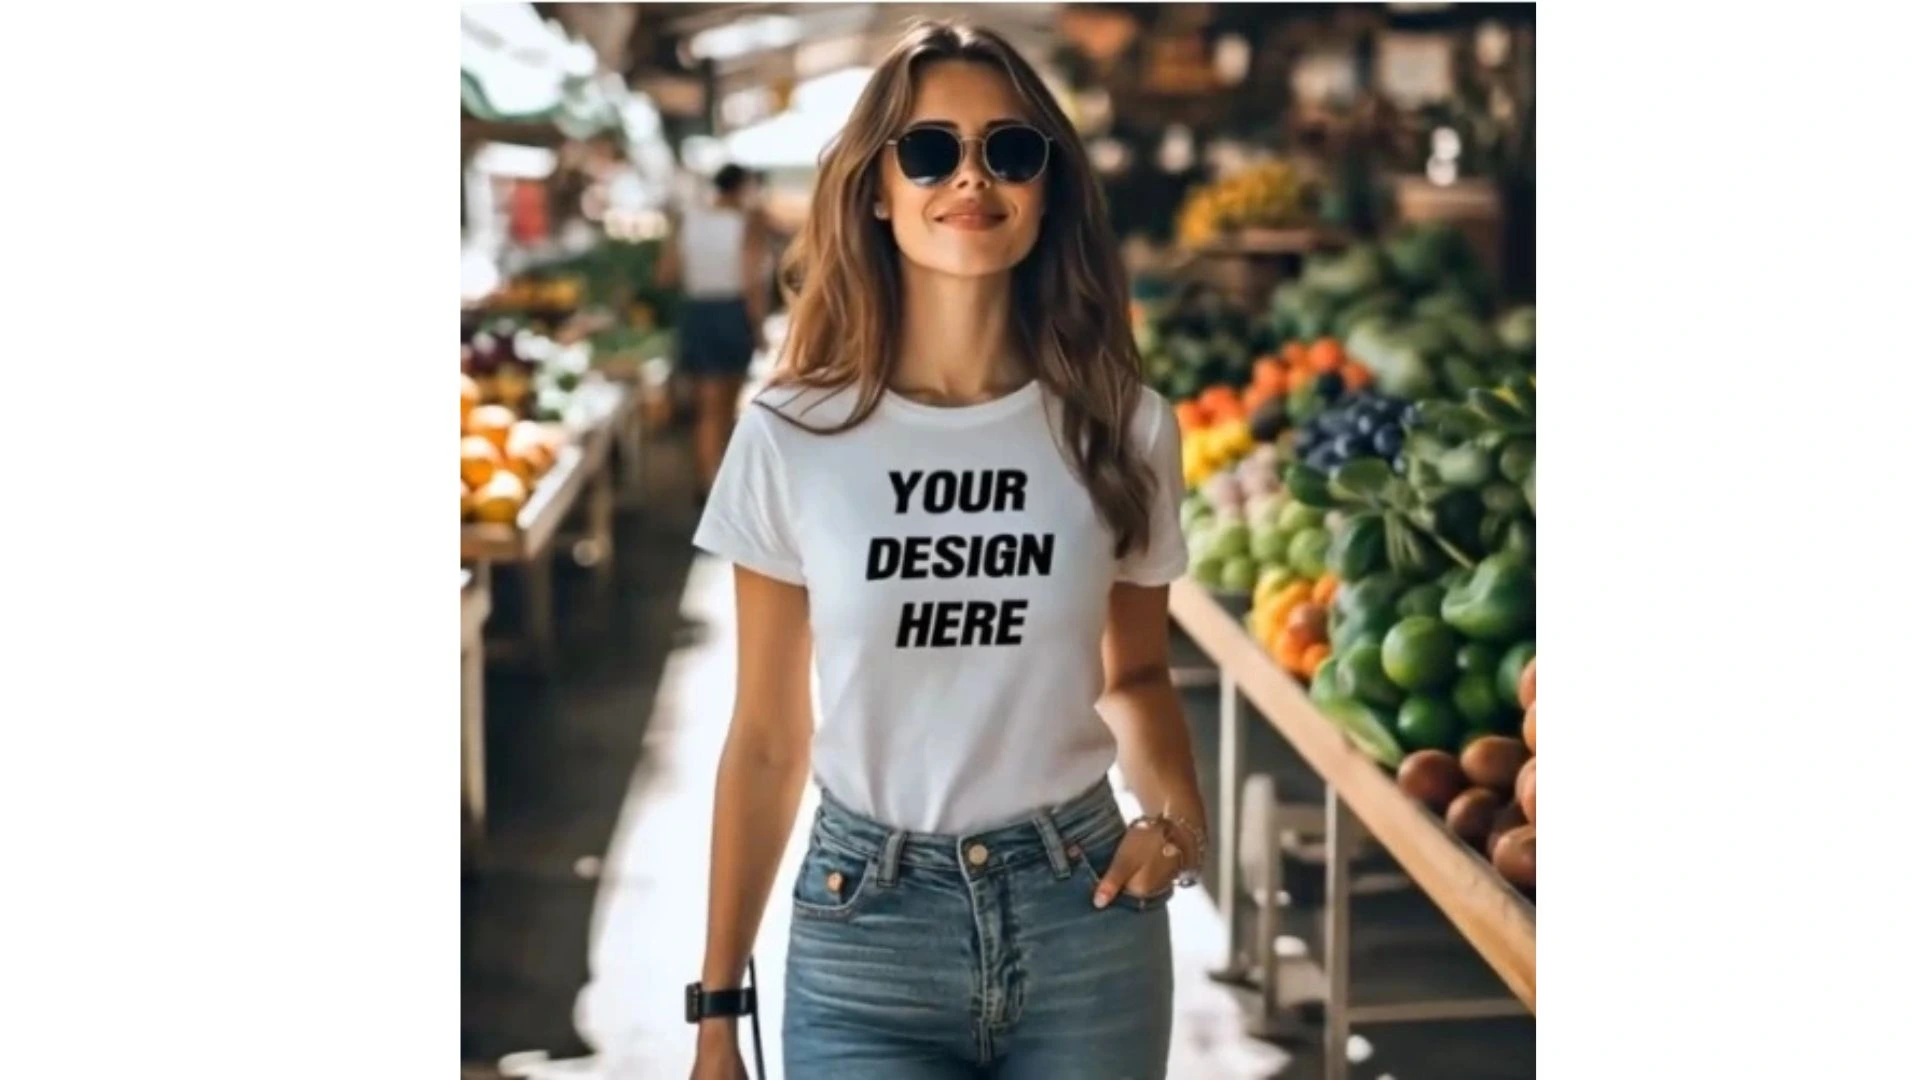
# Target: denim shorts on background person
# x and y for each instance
(916, 956)
(716, 337)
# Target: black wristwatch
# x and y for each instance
(705, 1004)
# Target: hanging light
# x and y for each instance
(1232, 56)
(1176, 149)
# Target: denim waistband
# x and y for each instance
(1089, 819)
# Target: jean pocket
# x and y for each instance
(1093, 861)
(832, 882)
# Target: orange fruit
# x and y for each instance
(469, 399)
(1324, 589)
(492, 423)
(479, 460)
(1324, 356)
(1315, 655)
(1355, 375)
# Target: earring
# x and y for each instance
(880, 211)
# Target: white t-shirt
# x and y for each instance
(958, 575)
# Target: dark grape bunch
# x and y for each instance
(1368, 424)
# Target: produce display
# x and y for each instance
(514, 384)
(1393, 568)
(523, 369)
(1269, 195)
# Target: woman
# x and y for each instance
(960, 500)
(718, 259)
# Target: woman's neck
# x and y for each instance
(956, 338)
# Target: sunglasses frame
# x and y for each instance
(1046, 158)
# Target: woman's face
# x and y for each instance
(971, 224)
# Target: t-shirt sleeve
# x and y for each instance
(1164, 558)
(747, 519)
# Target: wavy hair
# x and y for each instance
(1070, 301)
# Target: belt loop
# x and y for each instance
(890, 858)
(1056, 850)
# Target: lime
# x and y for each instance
(1426, 723)
(1229, 538)
(1475, 700)
(1238, 574)
(1419, 653)
(1296, 516)
(1269, 544)
(1421, 600)
(1307, 551)
(1511, 667)
(1478, 657)
(1362, 677)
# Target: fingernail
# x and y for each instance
(1100, 898)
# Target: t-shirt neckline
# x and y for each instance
(962, 415)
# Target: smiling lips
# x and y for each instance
(970, 217)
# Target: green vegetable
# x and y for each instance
(1511, 667)
(1477, 657)
(1206, 571)
(1307, 552)
(1297, 515)
(1419, 653)
(1516, 460)
(1239, 574)
(1466, 466)
(1427, 723)
(1519, 540)
(1476, 699)
(1495, 604)
(1359, 547)
(1269, 544)
(1322, 688)
(1422, 599)
(1309, 486)
(1366, 728)
(1361, 676)
(1501, 497)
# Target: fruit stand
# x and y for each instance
(1359, 464)
(527, 539)
(476, 603)
(1494, 917)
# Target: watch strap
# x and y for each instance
(703, 1004)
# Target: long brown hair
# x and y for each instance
(1070, 299)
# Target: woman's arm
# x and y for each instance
(1143, 710)
(762, 774)
(754, 283)
(666, 269)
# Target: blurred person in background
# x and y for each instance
(717, 257)
(959, 502)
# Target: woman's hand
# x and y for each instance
(1147, 862)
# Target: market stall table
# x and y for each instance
(1494, 918)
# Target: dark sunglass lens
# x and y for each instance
(1016, 154)
(929, 155)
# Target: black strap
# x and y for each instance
(759, 1062)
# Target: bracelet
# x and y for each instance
(1167, 823)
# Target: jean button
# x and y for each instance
(977, 855)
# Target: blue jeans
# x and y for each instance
(916, 956)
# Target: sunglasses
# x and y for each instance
(1014, 154)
